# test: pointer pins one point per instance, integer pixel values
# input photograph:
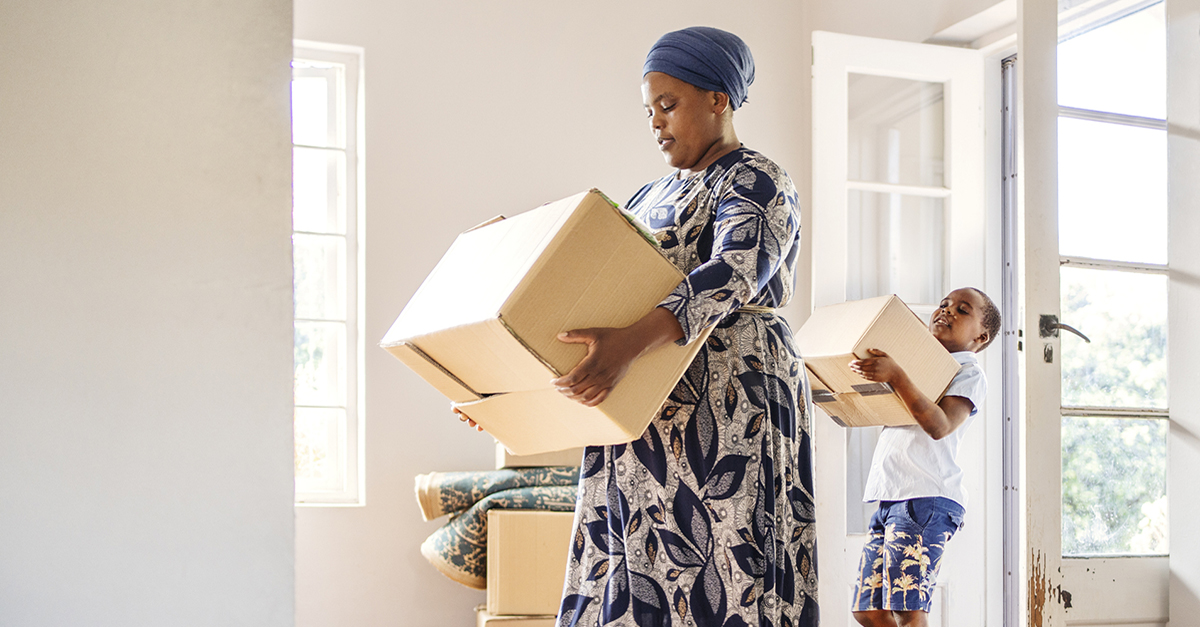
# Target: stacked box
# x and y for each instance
(837, 334)
(521, 541)
(527, 561)
(485, 619)
(483, 327)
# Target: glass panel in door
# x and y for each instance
(896, 131)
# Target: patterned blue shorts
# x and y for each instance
(900, 560)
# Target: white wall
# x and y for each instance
(145, 303)
(1183, 456)
(474, 109)
(479, 108)
(904, 20)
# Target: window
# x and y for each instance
(896, 221)
(1113, 281)
(327, 251)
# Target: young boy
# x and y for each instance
(914, 474)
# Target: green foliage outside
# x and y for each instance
(1114, 477)
(1125, 316)
(1114, 469)
(310, 453)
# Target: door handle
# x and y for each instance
(1049, 325)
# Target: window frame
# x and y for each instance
(1077, 25)
(352, 440)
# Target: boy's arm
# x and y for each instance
(937, 419)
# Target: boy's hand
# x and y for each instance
(936, 419)
(881, 368)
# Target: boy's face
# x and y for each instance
(958, 321)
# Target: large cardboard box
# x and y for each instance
(483, 327)
(837, 334)
(483, 618)
(527, 560)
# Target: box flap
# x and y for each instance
(542, 421)
(854, 410)
(626, 277)
(567, 457)
(834, 372)
(837, 329)
(486, 357)
(491, 220)
(433, 372)
(485, 263)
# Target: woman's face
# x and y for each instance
(686, 121)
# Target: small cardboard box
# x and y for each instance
(483, 327)
(569, 457)
(527, 561)
(485, 619)
(837, 334)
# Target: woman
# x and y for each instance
(708, 518)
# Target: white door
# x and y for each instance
(1096, 424)
(899, 206)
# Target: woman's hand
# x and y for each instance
(465, 418)
(610, 353)
(881, 368)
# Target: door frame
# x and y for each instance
(1183, 220)
(975, 246)
(1040, 466)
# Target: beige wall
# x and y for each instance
(470, 113)
(479, 108)
(145, 314)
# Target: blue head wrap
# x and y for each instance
(708, 58)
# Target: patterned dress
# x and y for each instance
(708, 518)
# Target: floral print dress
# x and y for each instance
(708, 519)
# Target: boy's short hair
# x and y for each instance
(991, 317)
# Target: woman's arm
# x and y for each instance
(937, 419)
(756, 225)
(610, 352)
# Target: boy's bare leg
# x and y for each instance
(875, 618)
(884, 618)
(915, 618)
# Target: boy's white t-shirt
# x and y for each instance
(909, 464)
